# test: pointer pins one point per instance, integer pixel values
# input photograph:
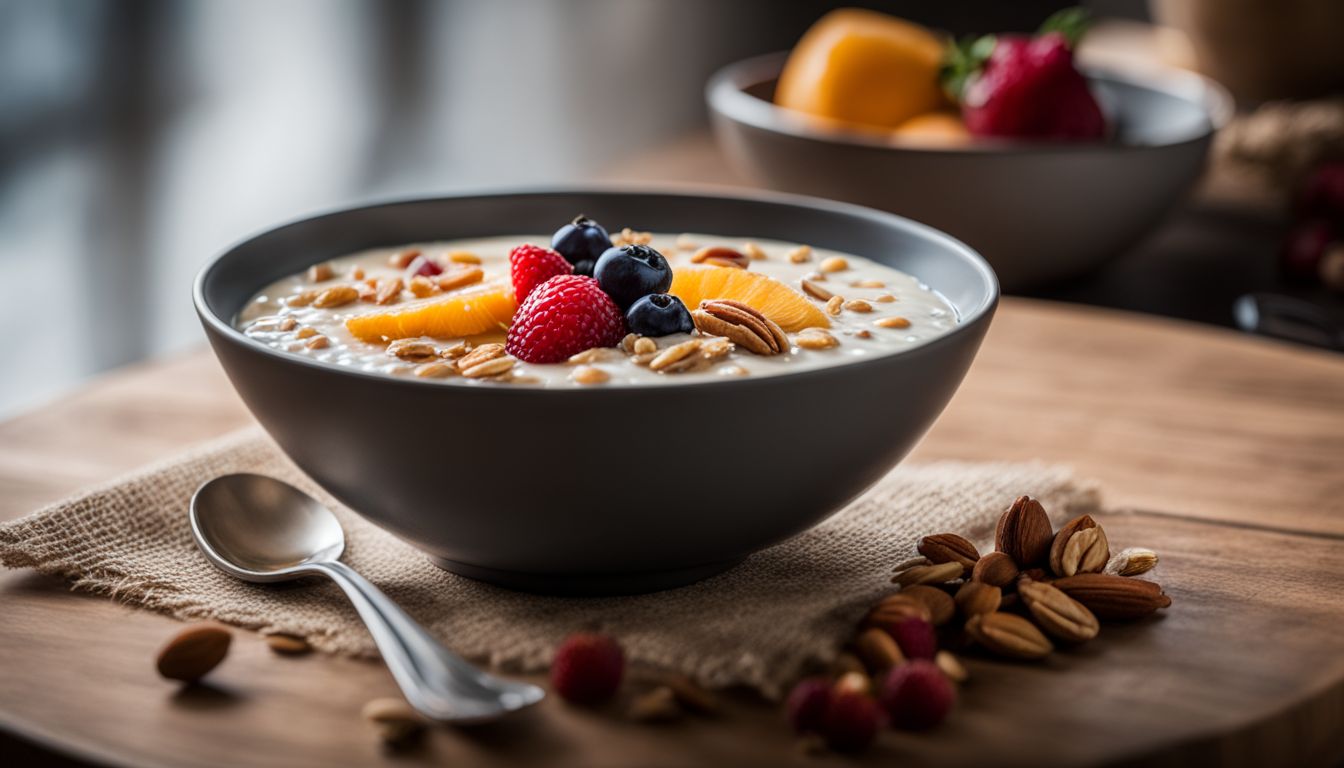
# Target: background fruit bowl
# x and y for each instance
(1039, 212)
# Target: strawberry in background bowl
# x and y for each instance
(1047, 166)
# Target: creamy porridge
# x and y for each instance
(443, 311)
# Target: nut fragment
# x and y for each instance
(834, 305)
(1008, 635)
(493, 367)
(587, 374)
(669, 359)
(878, 650)
(656, 706)
(463, 257)
(481, 354)
(891, 322)
(853, 682)
(389, 289)
(868, 284)
(996, 569)
(816, 338)
(939, 573)
(305, 333)
(336, 296)
(833, 264)
(287, 645)
(977, 597)
(435, 370)
(589, 356)
(1114, 597)
(884, 298)
(319, 273)
(629, 236)
(1024, 533)
(356, 273)
(459, 278)
(194, 651)
(457, 350)
(396, 722)
(893, 609)
(802, 253)
(645, 346)
(423, 287)
(1058, 614)
(318, 342)
(720, 256)
(951, 666)
(1080, 547)
(814, 289)
(858, 305)
(403, 259)
(412, 350)
(753, 251)
(939, 603)
(741, 324)
(1132, 562)
(949, 548)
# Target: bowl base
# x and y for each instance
(586, 584)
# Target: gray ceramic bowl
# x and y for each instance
(597, 490)
(1037, 212)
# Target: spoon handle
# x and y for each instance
(436, 681)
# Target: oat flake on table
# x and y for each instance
(760, 625)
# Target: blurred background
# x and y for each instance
(138, 138)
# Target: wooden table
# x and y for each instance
(1227, 449)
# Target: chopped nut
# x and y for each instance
(481, 354)
(305, 332)
(858, 305)
(833, 264)
(317, 342)
(716, 349)
(457, 350)
(336, 296)
(301, 299)
(435, 370)
(287, 645)
(412, 349)
(720, 256)
(742, 324)
(753, 251)
(674, 354)
(403, 259)
(587, 374)
(319, 273)
(891, 322)
(396, 722)
(815, 277)
(629, 236)
(801, 254)
(645, 345)
(816, 338)
(388, 290)
(422, 287)
(492, 367)
(884, 298)
(594, 355)
(868, 284)
(951, 666)
(834, 305)
(811, 288)
(459, 278)
(288, 324)
(463, 257)
(733, 370)
(863, 334)
(628, 343)
(357, 273)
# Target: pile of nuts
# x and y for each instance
(1037, 588)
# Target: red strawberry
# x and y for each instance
(531, 265)
(587, 668)
(562, 317)
(1025, 87)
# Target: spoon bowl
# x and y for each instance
(261, 529)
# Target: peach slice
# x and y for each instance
(466, 313)
(777, 301)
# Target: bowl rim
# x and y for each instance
(971, 317)
(725, 95)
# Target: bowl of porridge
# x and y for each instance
(596, 391)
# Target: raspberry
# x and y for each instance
(587, 668)
(917, 696)
(807, 703)
(562, 317)
(852, 721)
(531, 265)
(915, 636)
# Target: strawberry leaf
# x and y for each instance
(963, 60)
(1071, 23)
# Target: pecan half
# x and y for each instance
(720, 256)
(742, 325)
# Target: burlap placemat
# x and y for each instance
(760, 624)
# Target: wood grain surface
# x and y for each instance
(1229, 446)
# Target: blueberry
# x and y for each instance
(584, 267)
(659, 314)
(629, 272)
(581, 240)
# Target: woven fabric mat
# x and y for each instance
(761, 624)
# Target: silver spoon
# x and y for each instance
(261, 529)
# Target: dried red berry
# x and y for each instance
(587, 668)
(807, 703)
(915, 636)
(852, 721)
(917, 696)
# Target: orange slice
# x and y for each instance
(777, 301)
(466, 313)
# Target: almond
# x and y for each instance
(878, 650)
(976, 597)
(396, 722)
(897, 608)
(940, 606)
(1112, 597)
(1058, 614)
(949, 548)
(996, 569)
(194, 651)
(1006, 634)
(1024, 533)
(1132, 562)
(657, 706)
(1079, 547)
(928, 574)
(951, 666)
(288, 645)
